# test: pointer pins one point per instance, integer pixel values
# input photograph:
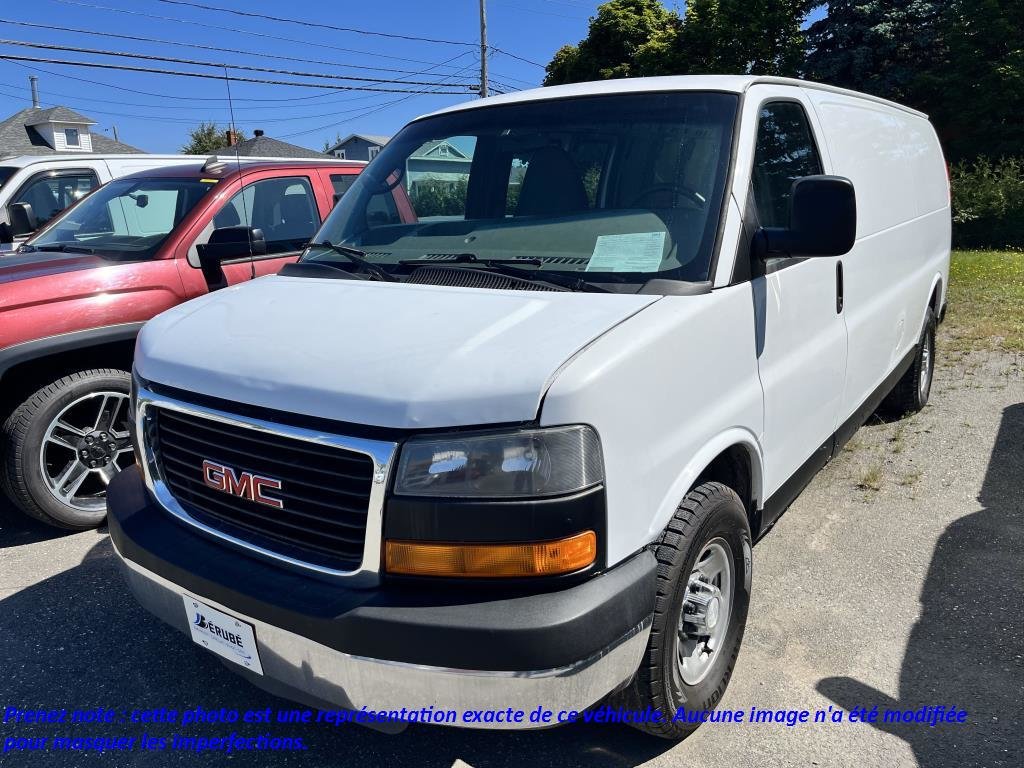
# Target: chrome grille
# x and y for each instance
(325, 490)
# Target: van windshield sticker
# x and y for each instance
(636, 252)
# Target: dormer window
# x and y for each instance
(72, 138)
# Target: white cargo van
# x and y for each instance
(511, 447)
(35, 188)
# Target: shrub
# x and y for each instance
(988, 203)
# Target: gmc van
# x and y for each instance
(514, 452)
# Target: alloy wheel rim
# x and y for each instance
(707, 609)
(925, 380)
(84, 446)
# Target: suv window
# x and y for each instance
(50, 194)
(283, 208)
(341, 182)
(785, 152)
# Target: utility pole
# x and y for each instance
(483, 49)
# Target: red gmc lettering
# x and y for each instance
(245, 485)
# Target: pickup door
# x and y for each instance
(287, 204)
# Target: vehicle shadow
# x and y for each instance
(17, 529)
(967, 648)
(79, 640)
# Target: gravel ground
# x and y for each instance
(895, 580)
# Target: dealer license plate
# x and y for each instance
(231, 638)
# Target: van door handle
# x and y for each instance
(839, 287)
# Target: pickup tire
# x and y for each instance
(70, 434)
(911, 392)
(711, 522)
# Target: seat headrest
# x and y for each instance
(552, 185)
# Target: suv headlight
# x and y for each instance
(531, 462)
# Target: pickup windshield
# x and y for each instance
(127, 218)
(5, 174)
(615, 189)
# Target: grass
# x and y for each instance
(871, 479)
(986, 301)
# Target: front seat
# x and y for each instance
(296, 219)
(552, 185)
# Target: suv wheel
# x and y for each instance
(65, 443)
(704, 571)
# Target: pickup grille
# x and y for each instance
(325, 491)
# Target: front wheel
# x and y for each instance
(704, 573)
(65, 443)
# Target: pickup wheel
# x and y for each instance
(911, 392)
(65, 443)
(700, 611)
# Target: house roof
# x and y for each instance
(18, 137)
(368, 137)
(432, 150)
(264, 146)
(58, 115)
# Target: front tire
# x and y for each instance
(700, 612)
(64, 444)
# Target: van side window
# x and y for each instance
(51, 193)
(785, 152)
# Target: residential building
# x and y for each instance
(261, 145)
(37, 131)
(359, 146)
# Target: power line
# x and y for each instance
(198, 63)
(496, 49)
(198, 46)
(207, 76)
(243, 32)
(315, 24)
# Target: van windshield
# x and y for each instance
(127, 218)
(620, 187)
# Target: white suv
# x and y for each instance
(504, 435)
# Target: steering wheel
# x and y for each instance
(690, 195)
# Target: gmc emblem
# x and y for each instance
(245, 485)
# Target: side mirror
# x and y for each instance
(142, 200)
(23, 219)
(822, 220)
(225, 244)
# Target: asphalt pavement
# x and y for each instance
(896, 580)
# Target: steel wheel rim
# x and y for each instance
(84, 446)
(925, 380)
(707, 609)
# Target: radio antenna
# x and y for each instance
(233, 137)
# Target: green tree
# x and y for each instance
(207, 138)
(616, 33)
(633, 38)
(329, 145)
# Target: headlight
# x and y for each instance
(533, 462)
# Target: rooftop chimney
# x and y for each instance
(257, 132)
(34, 82)
(232, 137)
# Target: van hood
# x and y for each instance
(381, 354)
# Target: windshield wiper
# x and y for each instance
(63, 247)
(356, 257)
(507, 267)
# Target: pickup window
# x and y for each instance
(50, 192)
(128, 218)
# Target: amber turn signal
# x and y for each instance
(544, 558)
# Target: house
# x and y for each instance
(359, 146)
(438, 162)
(37, 131)
(264, 146)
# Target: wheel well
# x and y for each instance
(732, 468)
(933, 302)
(21, 380)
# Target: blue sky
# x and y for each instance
(154, 111)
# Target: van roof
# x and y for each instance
(726, 83)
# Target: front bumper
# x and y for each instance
(396, 646)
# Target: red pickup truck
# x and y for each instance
(73, 298)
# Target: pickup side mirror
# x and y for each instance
(225, 244)
(23, 219)
(822, 220)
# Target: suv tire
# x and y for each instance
(72, 433)
(710, 524)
